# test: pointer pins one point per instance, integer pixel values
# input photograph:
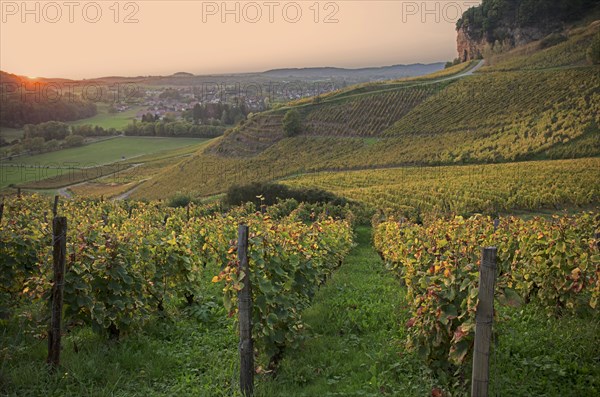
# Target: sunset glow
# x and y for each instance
(382, 32)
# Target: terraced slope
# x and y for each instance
(366, 115)
(518, 113)
(496, 115)
(251, 137)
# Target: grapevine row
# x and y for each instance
(125, 261)
(552, 262)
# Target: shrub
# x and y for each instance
(455, 62)
(291, 123)
(74, 140)
(180, 200)
(593, 52)
(552, 40)
(272, 193)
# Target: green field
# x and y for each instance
(108, 120)
(106, 152)
(28, 169)
(10, 134)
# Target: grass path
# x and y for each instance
(355, 341)
(355, 344)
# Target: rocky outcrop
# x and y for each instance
(469, 48)
(505, 24)
(522, 36)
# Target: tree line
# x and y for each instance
(18, 109)
(494, 19)
(55, 135)
(179, 129)
(208, 113)
(58, 130)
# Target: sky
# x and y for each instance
(87, 39)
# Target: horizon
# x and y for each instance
(221, 74)
(156, 38)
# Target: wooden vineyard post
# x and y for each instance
(1, 209)
(246, 346)
(19, 192)
(483, 324)
(59, 231)
(55, 207)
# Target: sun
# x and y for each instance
(31, 77)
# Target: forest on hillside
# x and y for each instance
(496, 19)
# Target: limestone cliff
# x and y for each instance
(469, 48)
(511, 23)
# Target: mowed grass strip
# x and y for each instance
(13, 176)
(355, 341)
(110, 120)
(97, 190)
(67, 177)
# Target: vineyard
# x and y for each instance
(488, 189)
(413, 237)
(366, 115)
(127, 262)
(553, 263)
(132, 265)
(520, 115)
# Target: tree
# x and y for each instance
(197, 113)
(48, 130)
(34, 144)
(149, 117)
(74, 140)
(449, 64)
(291, 123)
(593, 52)
(17, 149)
(52, 145)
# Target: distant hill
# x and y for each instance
(352, 76)
(9, 78)
(31, 101)
(372, 73)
